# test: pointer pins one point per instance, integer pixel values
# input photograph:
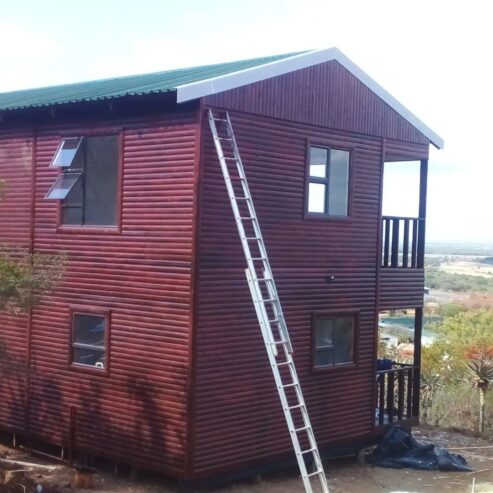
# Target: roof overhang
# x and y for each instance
(214, 85)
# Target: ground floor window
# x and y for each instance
(90, 339)
(334, 340)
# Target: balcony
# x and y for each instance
(397, 399)
(402, 242)
(401, 279)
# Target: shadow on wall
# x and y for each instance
(120, 418)
(12, 388)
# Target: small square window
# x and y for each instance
(89, 334)
(333, 340)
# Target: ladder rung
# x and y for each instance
(251, 238)
(220, 119)
(294, 384)
(229, 158)
(297, 406)
(316, 473)
(224, 138)
(308, 450)
(304, 428)
(245, 218)
(258, 258)
(269, 300)
(274, 321)
(279, 343)
(284, 363)
(242, 198)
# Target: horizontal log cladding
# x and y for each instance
(401, 288)
(16, 171)
(238, 420)
(326, 95)
(136, 412)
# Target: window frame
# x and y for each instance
(308, 179)
(89, 228)
(355, 315)
(90, 311)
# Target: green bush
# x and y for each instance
(456, 405)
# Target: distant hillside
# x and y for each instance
(459, 248)
(438, 279)
(487, 261)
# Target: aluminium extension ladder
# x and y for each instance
(267, 304)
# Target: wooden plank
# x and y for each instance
(394, 255)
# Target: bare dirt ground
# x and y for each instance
(345, 475)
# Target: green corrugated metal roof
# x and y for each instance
(157, 82)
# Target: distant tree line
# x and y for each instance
(438, 279)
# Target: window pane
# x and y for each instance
(334, 340)
(318, 162)
(62, 186)
(316, 197)
(101, 180)
(90, 330)
(324, 357)
(338, 182)
(89, 357)
(324, 332)
(343, 340)
(66, 152)
(72, 216)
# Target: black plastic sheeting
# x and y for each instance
(399, 449)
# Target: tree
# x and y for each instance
(457, 336)
(479, 372)
(25, 276)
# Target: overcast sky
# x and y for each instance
(434, 56)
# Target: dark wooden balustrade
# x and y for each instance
(402, 242)
(395, 389)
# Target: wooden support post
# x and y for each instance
(418, 329)
(423, 185)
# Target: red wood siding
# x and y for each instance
(405, 151)
(238, 418)
(137, 412)
(401, 288)
(325, 95)
(15, 225)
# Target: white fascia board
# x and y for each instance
(214, 85)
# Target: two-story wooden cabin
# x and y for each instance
(149, 352)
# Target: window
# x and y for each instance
(88, 185)
(89, 339)
(333, 340)
(328, 182)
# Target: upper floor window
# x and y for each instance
(334, 338)
(88, 184)
(328, 182)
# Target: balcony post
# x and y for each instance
(423, 185)
(418, 329)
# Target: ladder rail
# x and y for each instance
(268, 307)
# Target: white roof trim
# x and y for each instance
(206, 87)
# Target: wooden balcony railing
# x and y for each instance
(402, 242)
(395, 394)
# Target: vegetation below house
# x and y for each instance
(450, 392)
